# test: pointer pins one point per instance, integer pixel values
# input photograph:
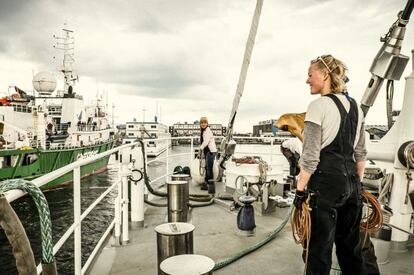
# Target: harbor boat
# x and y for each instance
(46, 131)
(149, 130)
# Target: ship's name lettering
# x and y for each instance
(86, 154)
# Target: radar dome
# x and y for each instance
(44, 83)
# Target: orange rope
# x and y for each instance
(301, 228)
(372, 220)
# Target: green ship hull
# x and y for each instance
(33, 163)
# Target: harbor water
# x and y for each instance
(61, 208)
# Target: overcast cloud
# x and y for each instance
(186, 56)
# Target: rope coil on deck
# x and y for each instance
(43, 209)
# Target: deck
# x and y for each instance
(216, 236)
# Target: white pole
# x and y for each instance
(124, 174)
(271, 149)
(191, 152)
(140, 203)
(76, 217)
(146, 168)
(117, 216)
(137, 202)
(167, 168)
(125, 237)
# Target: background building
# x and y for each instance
(267, 128)
(193, 129)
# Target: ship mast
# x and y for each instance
(66, 43)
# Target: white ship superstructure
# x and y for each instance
(149, 130)
(53, 119)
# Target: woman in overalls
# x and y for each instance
(332, 166)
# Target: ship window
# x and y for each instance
(29, 159)
(130, 134)
(3, 162)
(151, 142)
(8, 161)
(153, 135)
(130, 126)
(153, 126)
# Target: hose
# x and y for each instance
(17, 237)
(202, 199)
(254, 247)
(389, 179)
(194, 197)
(195, 205)
(48, 262)
(390, 97)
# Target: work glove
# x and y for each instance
(300, 197)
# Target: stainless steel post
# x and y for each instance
(181, 177)
(173, 239)
(187, 264)
(178, 196)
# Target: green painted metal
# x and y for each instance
(18, 163)
(55, 162)
(52, 159)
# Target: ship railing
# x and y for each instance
(90, 128)
(62, 127)
(61, 146)
(120, 207)
(119, 226)
(166, 156)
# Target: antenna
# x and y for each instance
(156, 109)
(160, 114)
(143, 115)
(113, 116)
(66, 43)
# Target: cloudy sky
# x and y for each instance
(185, 55)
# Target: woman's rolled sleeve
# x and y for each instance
(311, 147)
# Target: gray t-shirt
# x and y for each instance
(321, 127)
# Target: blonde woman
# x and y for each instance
(331, 167)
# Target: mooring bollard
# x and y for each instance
(177, 200)
(187, 264)
(173, 239)
(180, 177)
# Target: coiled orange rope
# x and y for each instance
(301, 222)
(301, 228)
(372, 220)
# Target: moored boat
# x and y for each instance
(46, 131)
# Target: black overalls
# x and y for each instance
(336, 206)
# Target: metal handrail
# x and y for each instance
(15, 194)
